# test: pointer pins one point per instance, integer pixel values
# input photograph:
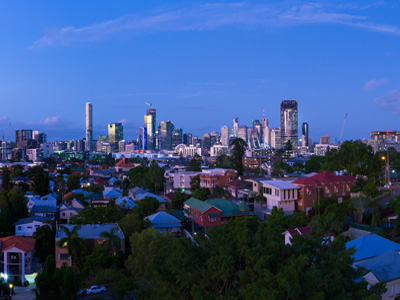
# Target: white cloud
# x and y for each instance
(210, 17)
(51, 120)
(373, 83)
(390, 102)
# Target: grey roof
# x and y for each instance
(31, 219)
(90, 231)
(281, 184)
(162, 220)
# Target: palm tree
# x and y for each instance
(326, 225)
(359, 205)
(113, 241)
(72, 242)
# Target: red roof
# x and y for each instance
(100, 180)
(124, 163)
(323, 177)
(22, 243)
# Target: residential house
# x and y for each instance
(322, 185)
(164, 222)
(214, 212)
(277, 193)
(126, 202)
(370, 246)
(124, 165)
(91, 235)
(383, 268)
(69, 210)
(111, 194)
(17, 256)
(138, 194)
(212, 177)
(297, 231)
(28, 226)
(235, 186)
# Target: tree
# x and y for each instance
(5, 179)
(179, 198)
(370, 190)
(238, 150)
(73, 182)
(41, 183)
(359, 205)
(138, 176)
(72, 242)
(45, 246)
(195, 163)
(156, 177)
(194, 183)
(147, 206)
(202, 193)
(219, 192)
(314, 164)
(113, 241)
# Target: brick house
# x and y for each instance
(212, 177)
(322, 185)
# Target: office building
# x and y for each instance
(205, 142)
(196, 141)
(150, 125)
(122, 146)
(214, 138)
(39, 137)
(115, 133)
(324, 140)
(188, 139)
(142, 138)
(89, 126)
(289, 122)
(225, 136)
(242, 133)
(304, 135)
(177, 137)
(266, 133)
(276, 138)
(23, 139)
(166, 134)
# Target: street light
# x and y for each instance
(11, 286)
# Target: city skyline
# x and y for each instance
(332, 58)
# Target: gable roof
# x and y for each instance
(198, 204)
(124, 163)
(324, 177)
(31, 219)
(22, 243)
(281, 184)
(43, 209)
(111, 194)
(385, 267)
(162, 219)
(228, 208)
(370, 246)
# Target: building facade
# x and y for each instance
(289, 122)
(89, 126)
(150, 125)
(115, 133)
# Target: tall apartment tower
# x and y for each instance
(177, 137)
(266, 132)
(225, 136)
(276, 138)
(235, 128)
(150, 125)
(89, 126)
(166, 135)
(115, 133)
(304, 135)
(289, 122)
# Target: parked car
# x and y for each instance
(94, 289)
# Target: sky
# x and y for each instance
(200, 64)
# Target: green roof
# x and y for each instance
(227, 207)
(244, 207)
(93, 195)
(198, 204)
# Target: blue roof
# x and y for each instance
(90, 231)
(43, 209)
(385, 267)
(370, 246)
(20, 178)
(31, 219)
(142, 196)
(111, 194)
(162, 219)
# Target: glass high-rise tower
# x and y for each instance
(150, 125)
(289, 122)
(89, 126)
(304, 134)
(166, 134)
(115, 133)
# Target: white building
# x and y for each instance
(218, 150)
(28, 226)
(181, 179)
(279, 193)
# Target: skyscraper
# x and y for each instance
(225, 136)
(276, 138)
(150, 125)
(235, 128)
(23, 138)
(115, 133)
(166, 135)
(304, 134)
(177, 137)
(266, 132)
(242, 133)
(142, 138)
(89, 126)
(289, 122)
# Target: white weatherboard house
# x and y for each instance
(28, 226)
(280, 193)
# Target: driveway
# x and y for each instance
(24, 292)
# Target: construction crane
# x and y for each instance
(148, 104)
(341, 133)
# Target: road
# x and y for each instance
(105, 296)
(385, 200)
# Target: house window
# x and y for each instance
(19, 227)
(63, 214)
(276, 192)
(63, 256)
(212, 218)
(29, 227)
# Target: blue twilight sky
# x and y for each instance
(200, 63)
